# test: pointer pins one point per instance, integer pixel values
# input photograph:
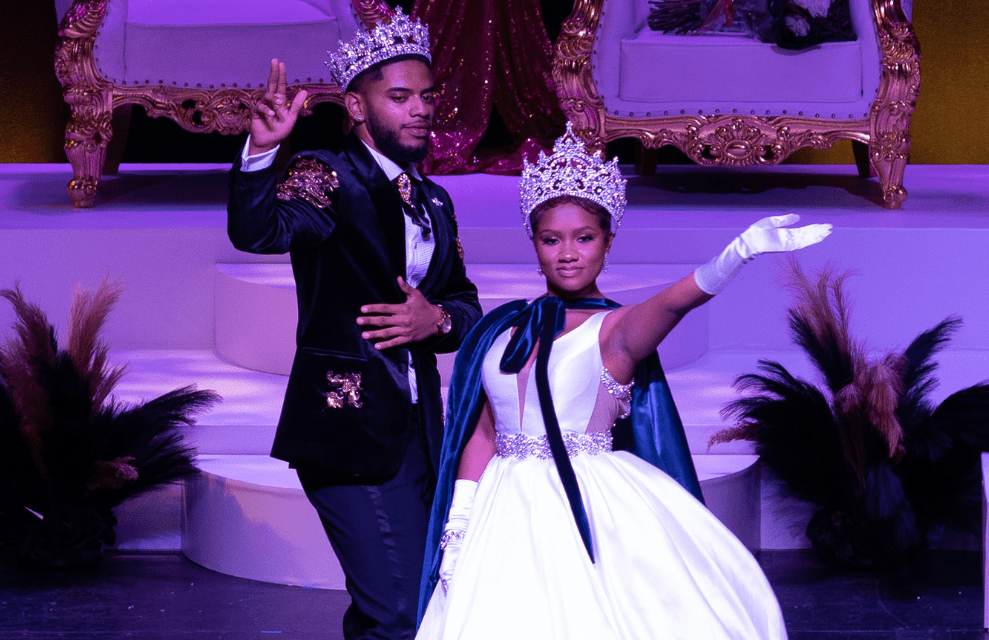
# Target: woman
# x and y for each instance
(540, 530)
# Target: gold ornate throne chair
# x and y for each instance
(735, 101)
(201, 64)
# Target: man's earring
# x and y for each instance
(539, 269)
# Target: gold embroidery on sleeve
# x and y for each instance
(310, 180)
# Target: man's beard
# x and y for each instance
(388, 144)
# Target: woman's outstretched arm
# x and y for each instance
(633, 332)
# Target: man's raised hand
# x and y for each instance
(273, 117)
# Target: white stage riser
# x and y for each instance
(244, 423)
(248, 517)
(908, 280)
(164, 235)
(154, 522)
(257, 532)
(212, 439)
(266, 341)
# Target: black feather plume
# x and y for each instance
(871, 451)
(69, 453)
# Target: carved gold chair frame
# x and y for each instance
(739, 140)
(92, 98)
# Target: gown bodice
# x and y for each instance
(578, 381)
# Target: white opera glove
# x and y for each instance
(768, 235)
(455, 528)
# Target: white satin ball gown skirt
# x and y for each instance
(665, 566)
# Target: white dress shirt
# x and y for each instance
(418, 250)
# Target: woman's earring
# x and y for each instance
(539, 269)
(605, 263)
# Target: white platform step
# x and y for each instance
(244, 422)
(256, 311)
(247, 516)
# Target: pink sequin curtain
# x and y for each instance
(490, 54)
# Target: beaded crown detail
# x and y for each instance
(571, 171)
(399, 37)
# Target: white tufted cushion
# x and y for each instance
(736, 69)
(644, 73)
(219, 42)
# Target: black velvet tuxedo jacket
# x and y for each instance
(341, 221)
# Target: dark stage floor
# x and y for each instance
(167, 596)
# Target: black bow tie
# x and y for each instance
(409, 191)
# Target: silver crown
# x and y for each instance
(571, 171)
(399, 37)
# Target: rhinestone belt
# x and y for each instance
(521, 446)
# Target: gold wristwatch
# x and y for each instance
(445, 325)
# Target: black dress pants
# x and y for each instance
(378, 533)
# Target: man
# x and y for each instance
(381, 288)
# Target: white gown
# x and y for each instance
(665, 566)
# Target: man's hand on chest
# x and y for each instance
(394, 325)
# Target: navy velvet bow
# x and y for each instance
(541, 322)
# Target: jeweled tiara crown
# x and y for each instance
(571, 171)
(399, 37)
